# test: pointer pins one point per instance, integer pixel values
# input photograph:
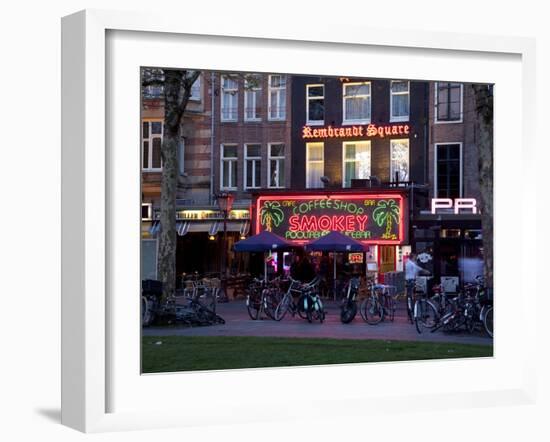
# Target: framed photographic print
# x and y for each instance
(281, 208)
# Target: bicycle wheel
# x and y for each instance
(348, 312)
(425, 315)
(282, 308)
(253, 305)
(389, 305)
(272, 298)
(373, 311)
(488, 321)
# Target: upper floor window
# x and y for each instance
(357, 102)
(399, 104)
(229, 99)
(448, 102)
(448, 171)
(277, 97)
(315, 104)
(228, 175)
(196, 90)
(252, 167)
(399, 160)
(356, 161)
(276, 165)
(151, 142)
(252, 98)
(315, 165)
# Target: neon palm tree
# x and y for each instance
(386, 212)
(271, 214)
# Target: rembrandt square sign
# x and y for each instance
(372, 218)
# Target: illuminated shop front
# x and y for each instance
(377, 219)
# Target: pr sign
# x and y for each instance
(369, 218)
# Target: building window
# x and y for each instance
(151, 142)
(356, 161)
(229, 104)
(181, 157)
(252, 166)
(399, 160)
(448, 102)
(252, 98)
(399, 104)
(315, 165)
(448, 170)
(315, 106)
(276, 165)
(196, 90)
(228, 177)
(357, 101)
(277, 97)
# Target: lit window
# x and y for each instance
(315, 103)
(399, 91)
(276, 165)
(253, 169)
(229, 99)
(277, 97)
(252, 98)
(315, 165)
(228, 177)
(448, 102)
(151, 142)
(399, 161)
(357, 102)
(356, 161)
(448, 171)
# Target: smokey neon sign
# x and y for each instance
(369, 131)
(369, 218)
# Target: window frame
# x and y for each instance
(281, 99)
(345, 120)
(150, 138)
(392, 172)
(314, 122)
(344, 161)
(436, 104)
(394, 119)
(245, 168)
(461, 165)
(308, 161)
(229, 160)
(278, 158)
(222, 101)
(257, 94)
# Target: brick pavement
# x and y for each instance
(238, 323)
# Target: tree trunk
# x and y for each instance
(484, 130)
(177, 88)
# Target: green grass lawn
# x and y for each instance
(184, 353)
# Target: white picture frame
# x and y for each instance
(101, 389)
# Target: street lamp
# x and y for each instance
(225, 203)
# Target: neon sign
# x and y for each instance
(369, 130)
(369, 218)
(457, 204)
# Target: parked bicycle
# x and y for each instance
(348, 307)
(262, 297)
(379, 303)
(308, 305)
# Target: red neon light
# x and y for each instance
(261, 199)
(369, 130)
(311, 223)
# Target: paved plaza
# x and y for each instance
(238, 323)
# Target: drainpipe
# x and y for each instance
(212, 89)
